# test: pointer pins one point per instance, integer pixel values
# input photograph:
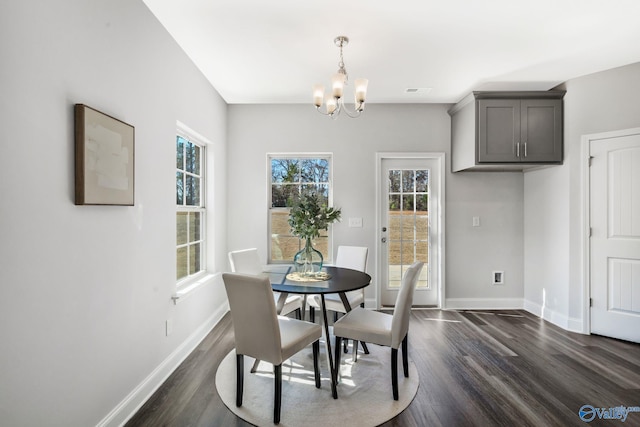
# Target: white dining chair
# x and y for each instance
(355, 258)
(381, 328)
(259, 332)
(247, 261)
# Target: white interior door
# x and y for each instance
(615, 236)
(409, 203)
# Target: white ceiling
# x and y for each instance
(258, 51)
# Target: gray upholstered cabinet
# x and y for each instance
(507, 130)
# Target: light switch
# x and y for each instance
(355, 222)
(476, 221)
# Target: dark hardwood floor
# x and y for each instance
(477, 368)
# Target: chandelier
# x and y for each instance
(335, 102)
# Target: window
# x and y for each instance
(190, 206)
(290, 176)
(408, 223)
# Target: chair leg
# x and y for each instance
(405, 356)
(355, 350)
(277, 394)
(345, 342)
(312, 314)
(394, 372)
(316, 366)
(364, 345)
(337, 358)
(298, 314)
(239, 378)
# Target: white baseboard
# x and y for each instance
(576, 325)
(559, 319)
(565, 322)
(138, 396)
(483, 303)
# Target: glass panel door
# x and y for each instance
(408, 227)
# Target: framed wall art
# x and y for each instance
(104, 148)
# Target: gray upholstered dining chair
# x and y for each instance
(260, 333)
(381, 328)
(247, 261)
(355, 258)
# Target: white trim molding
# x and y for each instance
(484, 303)
(186, 290)
(583, 325)
(555, 317)
(140, 394)
(440, 261)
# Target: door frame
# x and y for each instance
(439, 157)
(585, 156)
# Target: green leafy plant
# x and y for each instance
(308, 216)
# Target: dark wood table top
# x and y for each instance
(340, 280)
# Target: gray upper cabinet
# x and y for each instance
(507, 130)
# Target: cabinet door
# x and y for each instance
(498, 130)
(541, 127)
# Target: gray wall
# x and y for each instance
(471, 253)
(599, 102)
(87, 289)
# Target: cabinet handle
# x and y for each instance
(525, 149)
(518, 149)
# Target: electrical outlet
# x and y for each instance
(169, 326)
(497, 278)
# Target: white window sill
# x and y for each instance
(189, 288)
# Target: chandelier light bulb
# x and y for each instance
(337, 83)
(361, 90)
(318, 95)
(332, 104)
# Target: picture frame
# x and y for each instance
(104, 159)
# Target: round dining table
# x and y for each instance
(337, 280)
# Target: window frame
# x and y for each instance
(193, 137)
(270, 209)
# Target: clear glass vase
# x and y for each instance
(308, 261)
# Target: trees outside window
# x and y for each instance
(290, 176)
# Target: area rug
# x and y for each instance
(364, 392)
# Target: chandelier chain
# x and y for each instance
(341, 66)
